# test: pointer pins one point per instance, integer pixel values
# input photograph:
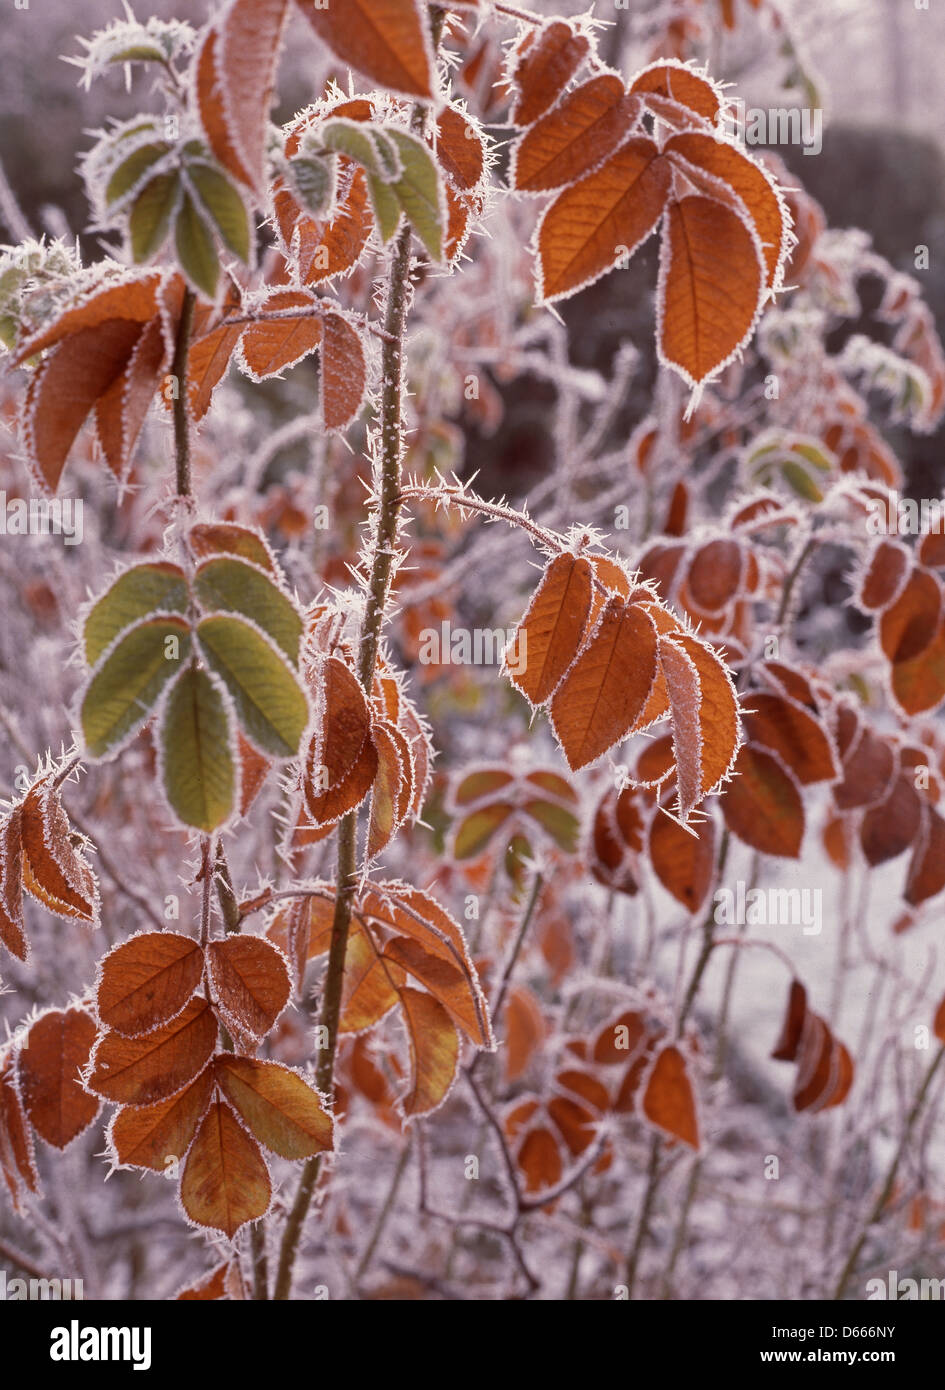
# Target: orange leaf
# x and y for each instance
(712, 278)
(344, 373)
(386, 40)
(677, 83)
(388, 804)
(601, 219)
(250, 985)
(887, 830)
(459, 148)
(668, 1100)
(53, 871)
(141, 1071)
(785, 1049)
(540, 1159)
(235, 77)
(283, 1111)
(147, 1136)
(704, 714)
(12, 926)
(120, 411)
(575, 136)
(341, 746)
(619, 1040)
(912, 621)
(762, 804)
(64, 388)
(371, 983)
(56, 1051)
(604, 692)
(269, 347)
(918, 684)
(749, 181)
(17, 1153)
(434, 1051)
(926, 876)
(210, 539)
(226, 1182)
(869, 766)
(134, 300)
(525, 1030)
(782, 726)
(146, 981)
(207, 362)
(545, 66)
(683, 862)
(884, 576)
(714, 575)
(450, 986)
(550, 633)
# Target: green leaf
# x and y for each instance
(270, 704)
(419, 191)
(197, 764)
(560, 823)
(132, 169)
(477, 829)
(313, 182)
(365, 144)
(386, 205)
(124, 689)
(237, 588)
(225, 206)
(151, 215)
(800, 481)
(140, 52)
(195, 249)
(134, 595)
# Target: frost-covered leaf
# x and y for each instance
(543, 68)
(125, 686)
(145, 982)
(270, 704)
(249, 983)
(143, 1070)
(228, 585)
(48, 1066)
(53, 868)
(386, 40)
(148, 1136)
(225, 1182)
(575, 136)
(158, 586)
(197, 765)
(669, 1101)
(762, 804)
(550, 634)
(282, 1110)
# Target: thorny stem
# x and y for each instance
(468, 501)
(179, 372)
(879, 1205)
(385, 539)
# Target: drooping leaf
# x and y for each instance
(269, 347)
(198, 770)
(196, 252)
(704, 712)
(56, 1050)
(669, 1100)
(434, 1051)
(762, 804)
(150, 218)
(683, 861)
(225, 1182)
(544, 67)
(712, 278)
(12, 925)
(53, 868)
(606, 689)
(223, 204)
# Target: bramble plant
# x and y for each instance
(257, 712)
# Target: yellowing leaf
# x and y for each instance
(282, 1110)
(225, 1182)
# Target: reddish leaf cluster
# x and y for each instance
(38, 854)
